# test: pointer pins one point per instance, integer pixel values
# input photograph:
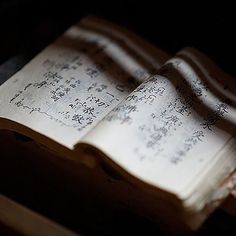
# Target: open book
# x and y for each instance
(103, 96)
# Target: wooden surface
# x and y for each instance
(22, 221)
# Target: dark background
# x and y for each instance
(27, 26)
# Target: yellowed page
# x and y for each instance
(71, 85)
(170, 132)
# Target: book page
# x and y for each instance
(66, 89)
(169, 131)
